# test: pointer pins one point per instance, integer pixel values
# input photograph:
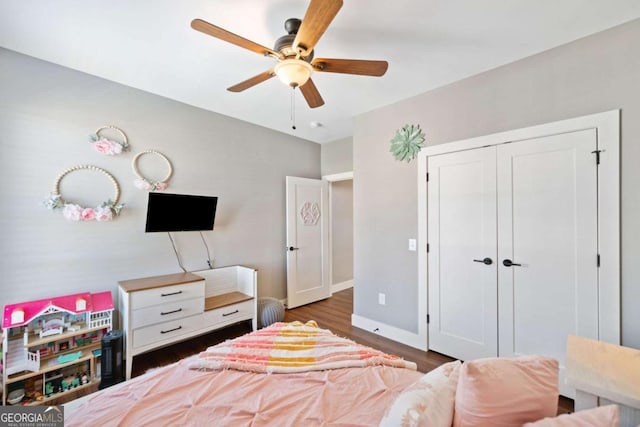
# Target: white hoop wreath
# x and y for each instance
(106, 211)
(143, 183)
(107, 146)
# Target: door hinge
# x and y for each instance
(598, 260)
(427, 176)
(427, 248)
(428, 319)
(597, 153)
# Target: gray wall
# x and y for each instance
(342, 230)
(337, 156)
(591, 75)
(46, 115)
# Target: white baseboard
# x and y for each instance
(337, 287)
(391, 332)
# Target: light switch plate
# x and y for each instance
(412, 244)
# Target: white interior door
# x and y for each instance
(547, 227)
(307, 241)
(462, 290)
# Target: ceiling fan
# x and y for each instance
(294, 52)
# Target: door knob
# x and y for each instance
(486, 261)
(509, 263)
(291, 248)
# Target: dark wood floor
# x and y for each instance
(333, 313)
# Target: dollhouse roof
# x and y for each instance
(93, 302)
(102, 301)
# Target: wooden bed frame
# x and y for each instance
(603, 374)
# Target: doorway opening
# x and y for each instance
(340, 230)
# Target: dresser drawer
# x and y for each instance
(230, 313)
(156, 296)
(166, 331)
(164, 312)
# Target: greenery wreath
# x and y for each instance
(143, 183)
(106, 211)
(407, 142)
(107, 146)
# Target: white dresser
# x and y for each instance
(161, 310)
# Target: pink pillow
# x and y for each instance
(428, 402)
(506, 392)
(604, 416)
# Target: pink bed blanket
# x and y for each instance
(177, 396)
(293, 347)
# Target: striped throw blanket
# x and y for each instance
(292, 347)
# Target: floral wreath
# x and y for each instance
(107, 146)
(143, 183)
(106, 211)
(407, 142)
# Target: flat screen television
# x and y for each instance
(180, 212)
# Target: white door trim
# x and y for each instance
(607, 125)
(343, 176)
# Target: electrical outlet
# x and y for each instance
(412, 244)
(382, 299)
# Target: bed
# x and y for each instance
(282, 392)
(605, 374)
(294, 374)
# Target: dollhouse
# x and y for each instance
(56, 337)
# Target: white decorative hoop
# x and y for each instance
(143, 183)
(106, 211)
(107, 146)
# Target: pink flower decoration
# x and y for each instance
(115, 148)
(72, 212)
(161, 186)
(141, 184)
(88, 214)
(104, 146)
(103, 214)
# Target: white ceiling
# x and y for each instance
(149, 44)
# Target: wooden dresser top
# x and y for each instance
(144, 283)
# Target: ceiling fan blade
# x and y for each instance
(252, 81)
(351, 66)
(311, 94)
(222, 34)
(315, 22)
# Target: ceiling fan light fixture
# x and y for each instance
(293, 72)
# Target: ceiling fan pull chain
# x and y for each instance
(293, 108)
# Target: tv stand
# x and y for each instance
(162, 310)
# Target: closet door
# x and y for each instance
(462, 288)
(547, 229)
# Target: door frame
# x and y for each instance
(336, 177)
(607, 126)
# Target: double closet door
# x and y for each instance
(512, 264)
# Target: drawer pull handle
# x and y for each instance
(229, 314)
(171, 330)
(172, 293)
(164, 313)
